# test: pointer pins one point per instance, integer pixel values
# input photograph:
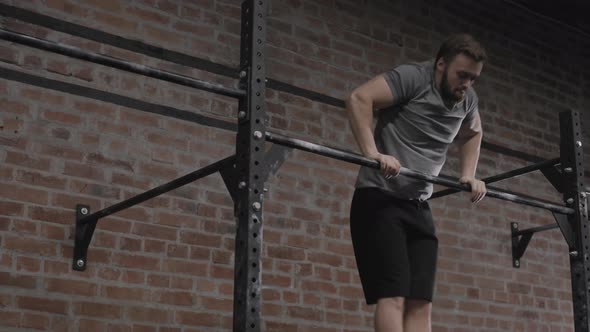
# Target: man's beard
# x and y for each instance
(446, 91)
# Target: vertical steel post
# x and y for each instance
(575, 197)
(250, 168)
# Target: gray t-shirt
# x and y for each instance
(417, 130)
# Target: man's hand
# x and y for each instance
(390, 166)
(478, 188)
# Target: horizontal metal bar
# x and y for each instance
(132, 67)
(506, 175)
(442, 180)
(535, 229)
(181, 181)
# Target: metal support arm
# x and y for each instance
(86, 223)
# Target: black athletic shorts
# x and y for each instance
(395, 245)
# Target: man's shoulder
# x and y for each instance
(416, 68)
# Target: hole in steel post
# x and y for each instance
(253, 279)
(253, 294)
(255, 235)
(253, 264)
(252, 326)
(254, 250)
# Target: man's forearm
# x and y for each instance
(469, 151)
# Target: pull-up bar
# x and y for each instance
(132, 67)
(442, 180)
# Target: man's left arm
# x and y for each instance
(470, 136)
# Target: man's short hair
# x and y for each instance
(461, 44)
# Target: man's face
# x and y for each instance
(458, 76)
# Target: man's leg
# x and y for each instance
(417, 316)
(389, 315)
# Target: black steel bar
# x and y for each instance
(132, 67)
(181, 181)
(442, 180)
(251, 172)
(503, 176)
(519, 244)
(83, 235)
(566, 229)
(555, 177)
(535, 229)
(574, 194)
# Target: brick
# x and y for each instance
(24, 194)
(18, 280)
(93, 189)
(28, 161)
(40, 180)
(58, 151)
(175, 298)
(98, 310)
(92, 325)
(129, 244)
(56, 267)
(155, 231)
(137, 262)
(42, 304)
(200, 239)
(11, 208)
(144, 314)
(197, 319)
(154, 246)
(124, 24)
(28, 264)
(62, 117)
(30, 245)
(9, 318)
(97, 158)
(51, 215)
(74, 287)
(8, 55)
(35, 321)
(185, 267)
(83, 171)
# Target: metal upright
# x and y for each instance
(574, 195)
(250, 168)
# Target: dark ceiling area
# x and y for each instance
(573, 13)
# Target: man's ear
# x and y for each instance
(440, 64)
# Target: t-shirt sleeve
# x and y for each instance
(472, 110)
(405, 82)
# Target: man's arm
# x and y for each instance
(470, 136)
(374, 94)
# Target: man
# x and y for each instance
(421, 108)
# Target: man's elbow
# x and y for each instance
(356, 98)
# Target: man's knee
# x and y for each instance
(392, 303)
(418, 308)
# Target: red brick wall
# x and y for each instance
(167, 264)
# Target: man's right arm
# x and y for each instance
(374, 94)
